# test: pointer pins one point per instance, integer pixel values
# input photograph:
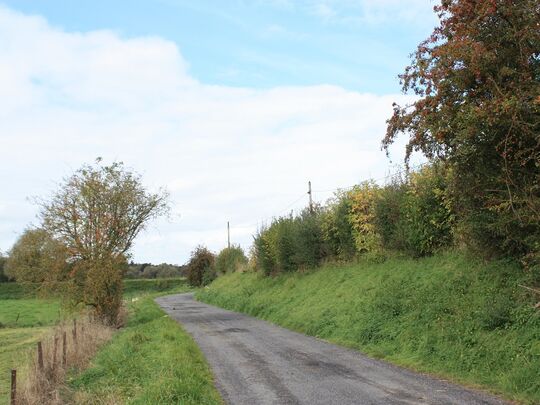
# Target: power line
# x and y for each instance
(310, 192)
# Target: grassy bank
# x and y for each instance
(448, 315)
(151, 361)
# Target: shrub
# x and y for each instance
(290, 243)
(388, 214)
(416, 215)
(336, 228)
(200, 267)
(362, 217)
(308, 239)
(264, 259)
(284, 247)
(37, 257)
(427, 218)
(230, 260)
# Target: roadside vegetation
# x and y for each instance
(152, 360)
(448, 314)
(437, 269)
(26, 319)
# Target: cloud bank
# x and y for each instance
(226, 154)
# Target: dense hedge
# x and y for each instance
(412, 214)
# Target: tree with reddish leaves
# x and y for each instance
(477, 78)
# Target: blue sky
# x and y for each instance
(361, 45)
(233, 106)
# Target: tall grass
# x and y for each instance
(45, 385)
(151, 361)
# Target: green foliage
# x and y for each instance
(388, 214)
(309, 246)
(413, 215)
(200, 268)
(427, 220)
(336, 228)
(290, 243)
(477, 78)
(230, 260)
(147, 270)
(3, 276)
(96, 214)
(362, 217)
(264, 259)
(151, 361)
(37, 257)
(447, 314)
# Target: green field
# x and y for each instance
(131, 287)
(24, 319)
(448, 315)
(151, 361)
(22, 323)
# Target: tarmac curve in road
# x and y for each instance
(257, 363)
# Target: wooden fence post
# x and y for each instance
(55, 349)
(13, 387)
(64, 344)
(40, 356)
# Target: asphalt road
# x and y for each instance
(255, 362)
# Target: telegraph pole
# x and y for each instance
(228, 235)
(310, 198)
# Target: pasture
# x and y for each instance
(25, 318)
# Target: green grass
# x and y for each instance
(24, 313)
(162, 285)
(14, 349)
(131, 287)
(24, 319)
(15, 291)
(151, 361)
(22, 323)
(448, 315)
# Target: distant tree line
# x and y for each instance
(148, 270)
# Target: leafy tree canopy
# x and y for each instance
(477, 78)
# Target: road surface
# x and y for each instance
(255, 362)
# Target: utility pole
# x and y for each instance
(310, 198)
(228, 235)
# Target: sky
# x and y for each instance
(231, 106)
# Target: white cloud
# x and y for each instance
(225, 153)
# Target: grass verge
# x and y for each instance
(151, 361)
(447, 315)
